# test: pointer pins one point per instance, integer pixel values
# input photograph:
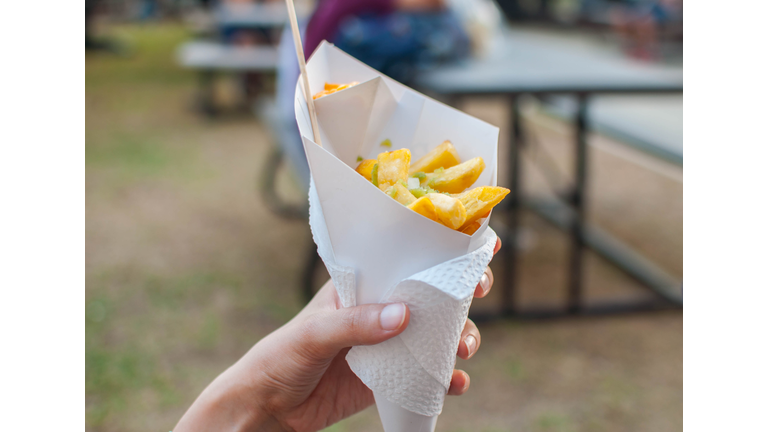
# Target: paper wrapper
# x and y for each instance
(378, 251)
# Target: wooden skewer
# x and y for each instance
(303, 67)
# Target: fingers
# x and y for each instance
(486, 282)
(459, 383)
(324, 334)
(470, 340)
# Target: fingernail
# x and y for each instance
(392, 316)
(485, 283)
(471, 344)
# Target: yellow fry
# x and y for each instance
(450, 211)
(442, 156)
(424, 207)
(480, 200)
(365, 167)
(457, 178)
(401, 194)
(393, 166)
(329, 88)
(471, 228)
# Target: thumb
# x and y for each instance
(327, 333)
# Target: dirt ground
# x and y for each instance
(186, 269)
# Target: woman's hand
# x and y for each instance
(297, 377)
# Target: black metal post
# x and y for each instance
(205, 98)
(515, 200)
(575, 287)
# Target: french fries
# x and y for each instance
(435, 186)
(479, 201)
(471, 228)
(442, 156)
(365, 168)
(392, 167)
(333, 88)
(450, 211)
(401, 194)
(456, 178)
(424, 207)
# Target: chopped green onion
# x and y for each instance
(419, 175)
(386, 143)
(418, 192)
(439, 170)
(402, 182)
(392, 191)
(375, 175)
(359, 158)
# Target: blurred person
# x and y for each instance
(238, 35)
(297, 377)
(640, 22)
(395, 37)
(92, 42)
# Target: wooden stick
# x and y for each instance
(303, 67)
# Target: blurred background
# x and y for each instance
(197, 242)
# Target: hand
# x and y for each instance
(297, 378)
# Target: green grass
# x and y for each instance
(150, 61)
(139, 321)
(130, 151)
(513, 368)
(551, 422)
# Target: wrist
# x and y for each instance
(228, 404)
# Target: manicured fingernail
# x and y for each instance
(471, 344)
(485, 283)
(392, 316)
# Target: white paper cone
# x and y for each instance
(375, 249)
(394, 418)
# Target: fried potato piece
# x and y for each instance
(365, 167)
(333, 88)
(457, 178)
(393, 166)
(401, 194)
(479, 201)
(424, 207)
(450, 211)
(442, 156)
(471, 228)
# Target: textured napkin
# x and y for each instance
(413, 369)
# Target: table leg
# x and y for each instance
(205, 98)
(513, 221)
(575, 288)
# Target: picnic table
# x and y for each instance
(539, 65)
(212, 56)
(255, 15)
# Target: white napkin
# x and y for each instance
(413, 369)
